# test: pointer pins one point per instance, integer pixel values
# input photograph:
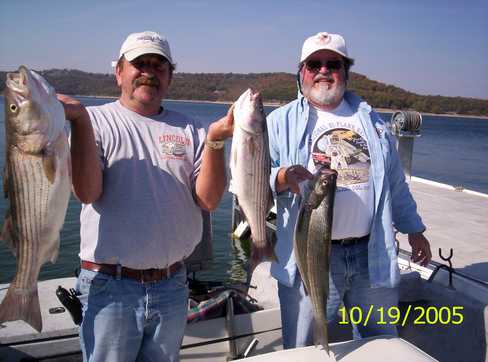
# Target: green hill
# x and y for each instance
(275, 87)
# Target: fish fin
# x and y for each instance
(50, 253)
(8, 233)
(270, 200)
(305, 282)
(23, 305)
(320, 335)
(260, 254)
(5, 182)
(256, 257)
(49, 165)
(231, 186)
(232, 167)
(251, 146)
(54, 252)
(233, 158)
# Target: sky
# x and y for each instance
(437, 47)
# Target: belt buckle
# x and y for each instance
(348, 241)
(118, 272)
(148, 275)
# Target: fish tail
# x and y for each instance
(260, 251)
(23, 306)
(320, 335)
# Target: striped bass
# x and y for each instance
(312, 242)
(37, 182)
(250, 167)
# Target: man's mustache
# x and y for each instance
(152, 82)
(320, 77)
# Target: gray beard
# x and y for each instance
(321, 95)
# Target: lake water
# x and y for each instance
(451, 150)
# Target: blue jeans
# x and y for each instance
(125, 320)
(348, 284)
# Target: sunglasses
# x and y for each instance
(314, 66)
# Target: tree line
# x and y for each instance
(275, 88)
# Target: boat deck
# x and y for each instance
(204, 341)
(456, 219)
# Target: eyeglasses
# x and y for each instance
(156, 64)
(314, 66)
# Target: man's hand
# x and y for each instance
(74, 111)
(421, 253)
(290, 178)
(223, 128)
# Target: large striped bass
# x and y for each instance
(37, 182)
(250, 168)
(312, 246)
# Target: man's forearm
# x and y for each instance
(86, 170)
(211, 181)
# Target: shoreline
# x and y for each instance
(266, 104)
(377, 109)
(452, 115)
(278, 104)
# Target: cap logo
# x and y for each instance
(323, 38)
(149, 38)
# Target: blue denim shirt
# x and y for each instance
(393, 203)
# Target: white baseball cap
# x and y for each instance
(147, 42)
(327, 41)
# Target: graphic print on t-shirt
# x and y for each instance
(346, 151)
(173, 146)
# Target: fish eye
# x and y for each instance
(13, 108)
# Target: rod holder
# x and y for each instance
(405, 125)
(449, 267)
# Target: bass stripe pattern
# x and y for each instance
(38, 186)
(250, 168)
(311, 245)
(259, 187)
(29, 207)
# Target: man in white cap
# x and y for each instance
(371, 195)
(144, 174)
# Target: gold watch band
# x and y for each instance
(214, 145)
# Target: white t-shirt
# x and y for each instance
(146, 216)
(339, 136)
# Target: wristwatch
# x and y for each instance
(215, 145)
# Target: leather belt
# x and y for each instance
(141, 275)
(351, 241)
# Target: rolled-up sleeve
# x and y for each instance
(274, 148)
(404, 208)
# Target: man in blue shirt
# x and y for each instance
(327, 124)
